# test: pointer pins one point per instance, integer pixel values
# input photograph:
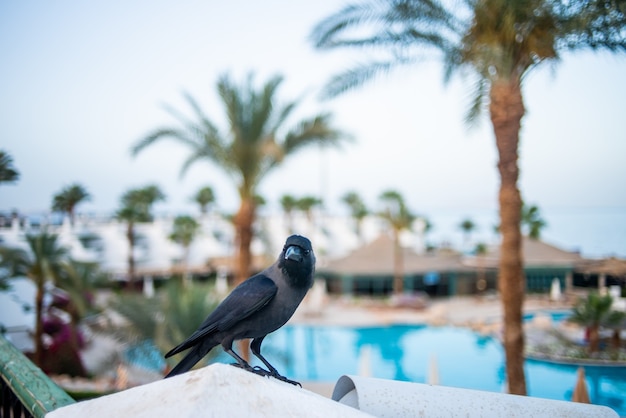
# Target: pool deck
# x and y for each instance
(457, 311)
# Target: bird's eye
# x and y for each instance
(306, 252)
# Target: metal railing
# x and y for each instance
(25, 390)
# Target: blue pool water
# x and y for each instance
(464, 359)
(556, 316)
(403, 352)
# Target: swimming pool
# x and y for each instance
(403, 352)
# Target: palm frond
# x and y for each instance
(479, 97)
(355, 77)
(160, 134)
(140, 316)
(316, 130)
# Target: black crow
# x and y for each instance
(259, 305)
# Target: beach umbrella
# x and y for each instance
(581, 394)
(555, 290)
(365, 361)
(433, 371)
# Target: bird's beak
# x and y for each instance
(294, 253)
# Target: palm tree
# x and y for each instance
(204, 198)
(288, 203)
(136, 207)
(256, 141)
(480, 250)
(399, 218)
(306, 205)
(182, 307)
(531, 218)
(499, 42)
(358, 210)
(592, 312)
(13, 262)
(45, 265)
(78, 281)
(615, 321)
(167, 319)
(467, 226)
(185, 230)
(8, 173)
(68, 198)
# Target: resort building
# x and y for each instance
(348, 263)
(369, 270)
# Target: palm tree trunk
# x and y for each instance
(186, 277)
(616, 339)
(506, 110)
(594, 338)
(75, 344)
(398, 274)
(244, 221)
(130, 235)
(39, 322)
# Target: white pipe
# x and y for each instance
(391, 398)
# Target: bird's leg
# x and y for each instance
(255, 346)
(242, 364)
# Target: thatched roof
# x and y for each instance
(610, 266)
(536, 254)
(376, 259)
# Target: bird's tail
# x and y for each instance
(191, 358)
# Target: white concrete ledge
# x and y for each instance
(221, 390)
(218, 390)
(390, 398)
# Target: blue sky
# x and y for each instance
(80, 82)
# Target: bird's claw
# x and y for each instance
(262, 372)
(256, 369)
(293, 382)
(275, 375)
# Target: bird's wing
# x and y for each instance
(246, 299)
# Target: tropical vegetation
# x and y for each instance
(306, 204)
(165, 320)
(184, 230)
(68, 198)
(358, 210)
(532, 221)
(467, 226)
(288, 203)
(136, 207)
(594, 312)
(8, 173)
(204, 197)
(497, 42)
(13, 262)
(256, 140)
(399, 217)
(44, 266)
